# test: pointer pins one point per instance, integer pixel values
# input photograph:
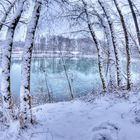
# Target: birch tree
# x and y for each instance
(97, 44)
(115, 46)
(110, 63)
(78, 12)
(135, 20)
(7, 11)
(25, 97)
(6, 61)
(126, 44)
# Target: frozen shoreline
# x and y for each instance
(74, 55)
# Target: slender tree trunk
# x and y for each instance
(6, 63)
(110, 23)
(6, 14)
(110, 54)
(126, 45)
(97, 47)
(68, 79)
(110, 58)
(135, 20)
(25, 97)
(134, 41)
(65, 70)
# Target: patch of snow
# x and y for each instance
(110, 117)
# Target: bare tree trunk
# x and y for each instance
(135, 20)
(48, 90)
(110, 23)
(134, 41)
(97, 46)
(25, 97)
(6, 14)
(68, 79)
(50, 98)
(66, 73)
(110, 54)
(6, 63)
(126, 45)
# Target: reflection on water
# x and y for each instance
(83, 73)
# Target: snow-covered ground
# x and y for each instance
(110, 117)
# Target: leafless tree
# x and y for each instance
(25, 97)
(115, 45)
(6, 61)
(6, 13)
(135, 20)
(126, 35)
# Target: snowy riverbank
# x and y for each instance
(110, 117)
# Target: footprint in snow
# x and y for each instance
(137, 116)
(105, 131)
